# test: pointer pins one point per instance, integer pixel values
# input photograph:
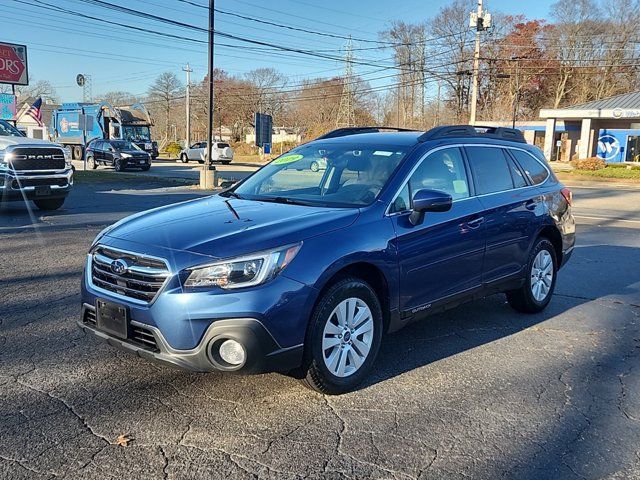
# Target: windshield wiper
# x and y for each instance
(231, 194)
(288, 201)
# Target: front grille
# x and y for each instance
(36, 158)
(141, 279)
(34, 182)
(143, 337)
(89, 316)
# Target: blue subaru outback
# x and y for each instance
(305, 270)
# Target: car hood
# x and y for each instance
(133, 152)
(5, 141)
(208, 226)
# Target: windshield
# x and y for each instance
(136, 133)
(8, 130)
(325, 174)
(122, 145)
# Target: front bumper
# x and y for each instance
(184, 326)
(20, 185)
(263, 354)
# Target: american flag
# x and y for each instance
(35, 112)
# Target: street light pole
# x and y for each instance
(208, 165)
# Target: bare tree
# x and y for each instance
(118, 98)
(163, 93)
(40, 88)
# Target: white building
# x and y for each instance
(27, 125)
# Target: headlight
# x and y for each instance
(125, 155)
(4, 160)
(243, 271)
(67, 155)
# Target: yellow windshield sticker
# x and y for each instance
(287, 159)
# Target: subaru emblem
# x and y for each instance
(119, 266)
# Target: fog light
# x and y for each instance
(232, 352)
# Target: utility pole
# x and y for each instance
(188, 71)
(208, 166)
(481, 21)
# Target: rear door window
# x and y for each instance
(532, 167)
(519, 180)
(490, 169)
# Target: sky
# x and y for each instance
(61, 45)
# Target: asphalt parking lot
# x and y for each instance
(478, 392)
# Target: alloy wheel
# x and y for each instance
(541, 275)
(347, 337)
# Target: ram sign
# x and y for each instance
(13, 64)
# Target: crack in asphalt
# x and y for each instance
(27, 467)
(166, 463)
(68, 407)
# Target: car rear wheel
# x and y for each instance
(49, 203)
(540, 282)
(184, 158)
(343, 338)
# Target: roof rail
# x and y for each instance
(343, 132)
(478, 131)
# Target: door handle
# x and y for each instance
(473, 224)
(530, 204)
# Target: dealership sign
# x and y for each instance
(13, 64)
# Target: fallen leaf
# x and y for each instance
(123, 440)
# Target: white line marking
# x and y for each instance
(614, 219)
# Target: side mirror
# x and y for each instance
(429, 201)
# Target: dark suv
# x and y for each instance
(304, 271)
(120, 154)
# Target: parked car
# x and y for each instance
(120, 154)
(294, 272)
(33, 170)
(220, 152)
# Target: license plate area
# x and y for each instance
(113, 318)
(42, 190)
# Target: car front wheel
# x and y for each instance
(91, 162)
(343, 338)
(49, 203)
(118, 165)
(540, 282)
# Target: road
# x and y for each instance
(187, 171)
(478, 392)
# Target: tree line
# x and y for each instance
(588, 50)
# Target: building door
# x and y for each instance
(633, 149)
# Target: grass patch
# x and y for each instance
(623, 173)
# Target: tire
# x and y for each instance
(118, 165)
(334, 368)
(91, 162)
(146, 168)
(201, 162)
(226, 162)
(540, 282)
(49, 203)
(184, 158)
(76, 152)
(314, 166)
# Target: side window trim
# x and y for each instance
(473, 190)
(511, 159)
(531, 182)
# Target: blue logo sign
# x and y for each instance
(608, 147)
